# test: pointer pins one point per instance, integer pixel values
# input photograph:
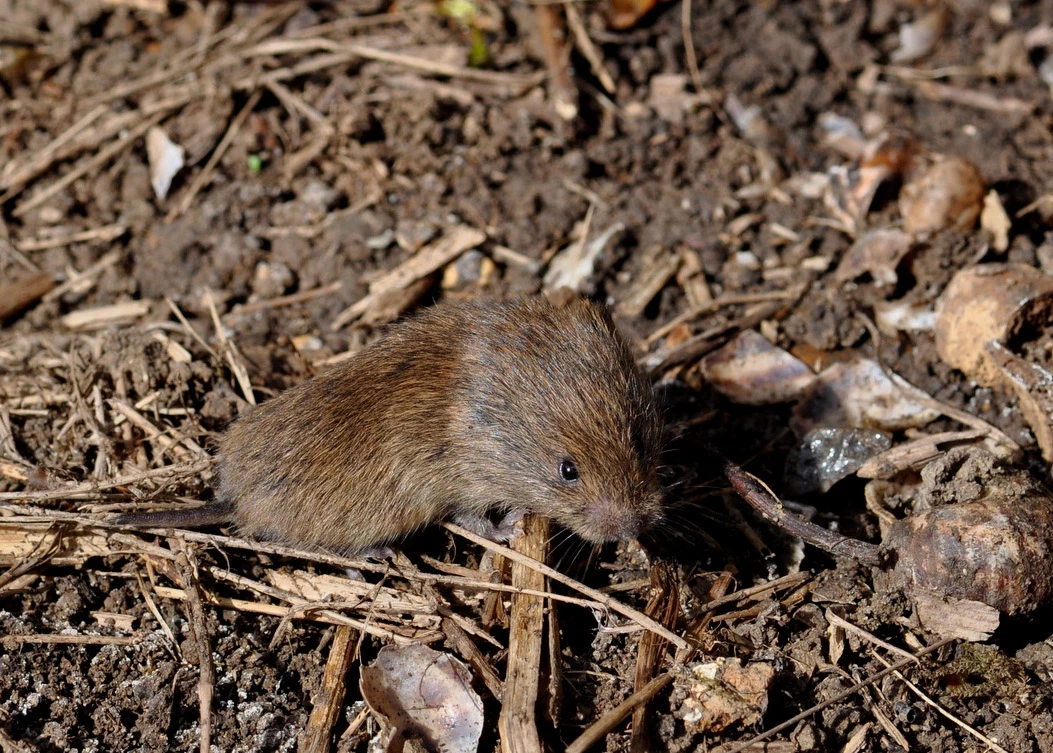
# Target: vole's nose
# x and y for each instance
(607, 520)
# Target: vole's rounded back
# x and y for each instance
(464, 409)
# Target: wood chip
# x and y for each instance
(995, 220)
(956, 618)
(106, 316)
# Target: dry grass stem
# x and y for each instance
(709, 306)
(689, 46)
(11, 642)
(612, 604)
(310, 613)
(695, 347)
(589, 51)
(422, 264)
(90, 165)
(15, 175)
(204, 177)
(787, 581)
(967, 97)
(82, 281)
(602, 727)
(87, 490)
(104, 234)
(834, 619)
(230, 351)
(663, 606)
(148, 599)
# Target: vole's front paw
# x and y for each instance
(506, 530)
(510, 527)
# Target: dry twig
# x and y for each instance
(613, 604)
(16, 297)
(342, 52)
(517, 723)
(459, 639)
(199, 630)
(664, 606)
(329, 700)
(764, 500)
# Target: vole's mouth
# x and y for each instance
(604, 522)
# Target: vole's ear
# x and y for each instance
(564, 298)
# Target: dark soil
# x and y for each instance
(337, 172)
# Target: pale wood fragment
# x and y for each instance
(518, 720)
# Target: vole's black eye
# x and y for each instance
(568, 471)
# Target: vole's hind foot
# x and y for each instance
(379, 553)
(507, 530)
(373, 553)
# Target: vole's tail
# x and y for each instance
(211, 514)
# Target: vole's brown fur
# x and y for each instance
(462, 410)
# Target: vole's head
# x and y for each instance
(566, 423)
(600, 484)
